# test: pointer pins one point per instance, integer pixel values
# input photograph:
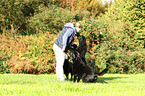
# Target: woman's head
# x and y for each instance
(78, 26)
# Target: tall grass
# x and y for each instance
(47, 85)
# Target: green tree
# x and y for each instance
(51, 19)
(130, 12)
(14, 14)
(121, 48)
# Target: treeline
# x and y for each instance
(114, 32)
(16, 13)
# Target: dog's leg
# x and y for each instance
(67, 76)
(71, 75)
(74, 78)
(78, 79)
(84, 80)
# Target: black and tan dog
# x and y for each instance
(80, 68)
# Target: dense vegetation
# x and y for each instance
(115, 33)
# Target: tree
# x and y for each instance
(70, 4)
(95, 7)
(132, 13)
(15, 14)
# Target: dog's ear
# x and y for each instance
(93, 63)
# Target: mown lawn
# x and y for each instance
(47, 85)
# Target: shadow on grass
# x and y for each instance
(102, 79)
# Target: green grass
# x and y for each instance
(47, 85)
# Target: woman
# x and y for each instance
(62, 44)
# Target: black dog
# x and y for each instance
(82, 48)
(80, 68)
(83, 71)
(67, 68)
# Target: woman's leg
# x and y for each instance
(60, 57)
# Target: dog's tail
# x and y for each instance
(93, 63)
(103, 72)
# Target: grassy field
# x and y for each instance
(47, 85)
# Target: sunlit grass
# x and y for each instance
(40, 85)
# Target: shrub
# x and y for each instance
(114, 46)
(27, 54)
(51, 19)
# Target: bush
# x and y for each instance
(121, 60)
(120, 47)
(51, 19)
(27, 54)
(115, 46)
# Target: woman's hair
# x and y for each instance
(77, 24)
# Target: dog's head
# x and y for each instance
(90, 78)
